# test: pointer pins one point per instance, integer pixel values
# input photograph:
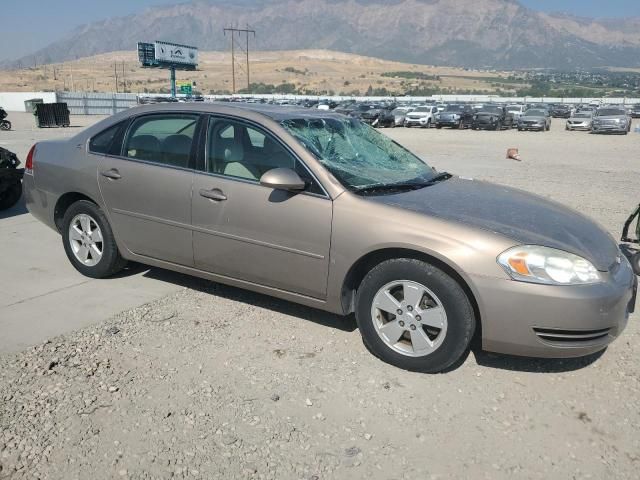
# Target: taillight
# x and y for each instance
(28, 166)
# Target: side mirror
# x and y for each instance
(283, 179)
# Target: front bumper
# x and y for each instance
(610, 128)
(555, 321)
(578, 126)
(448, 122)
(484, 123)
(420, 122)
(532, 126)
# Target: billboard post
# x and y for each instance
(173, 82)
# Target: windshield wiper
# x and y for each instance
(403, 186)
(440, 177)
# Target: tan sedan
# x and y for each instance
(320, 209)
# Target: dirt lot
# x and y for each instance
(215, 382)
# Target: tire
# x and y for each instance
(5, 125)
(452, 307)
(635, 263)
(11, 195)
(498, 126)
(110, 261)
(439, 127)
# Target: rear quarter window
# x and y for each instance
(108, 141)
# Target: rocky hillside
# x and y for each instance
(470, 33)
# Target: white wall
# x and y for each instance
(14, 101)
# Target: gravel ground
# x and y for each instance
(214, 382)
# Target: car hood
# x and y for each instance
(488, 114)
(524, 118)
(580, 119)
(610, 117)
(524, 217)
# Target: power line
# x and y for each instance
(239, 31)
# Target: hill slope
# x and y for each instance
(471, 33)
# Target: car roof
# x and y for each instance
(277, 113)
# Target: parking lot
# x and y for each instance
(157, 375)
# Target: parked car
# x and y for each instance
(561, 111)
(362, 108)
(492, 117)
(316, 208)
(635, 111)
(424, 116)
(399, 115)
(380, 116)
(580, 121)
(455, 116)
(611, 120)
(534, 119)
(516, 111)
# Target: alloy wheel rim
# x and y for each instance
(85, 239)
(409, 318)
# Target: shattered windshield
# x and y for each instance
(356, 154)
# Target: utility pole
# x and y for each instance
(124, 81)
(115, 71)
(239, 31)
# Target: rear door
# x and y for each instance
(147, 187)
(250, 232)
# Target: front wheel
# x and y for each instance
(413, 315)
(635, 263)
(5, 125)
(89, 242)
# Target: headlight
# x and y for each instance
(536, 264)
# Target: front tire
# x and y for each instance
(415, 316)
(635, 263)
(89, 241)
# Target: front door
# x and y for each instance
(250, 232)
(147, 189)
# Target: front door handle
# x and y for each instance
(215, 194)
(113, 174)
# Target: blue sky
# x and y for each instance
(28, 25)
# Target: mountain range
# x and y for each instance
(470, 33)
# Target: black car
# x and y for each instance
(635, 111)
(561, 111)
(455, 116)
(379, 116)
(492, 117)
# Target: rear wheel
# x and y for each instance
(11, 195)
(5, 125)
(89, 242)
(414, 316)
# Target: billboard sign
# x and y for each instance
(172, 53)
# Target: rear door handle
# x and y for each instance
(215, 194)
(113, 174)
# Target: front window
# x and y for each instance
(454, 108)
(491, 109)
(356, 154)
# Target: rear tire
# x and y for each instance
(5, 125)
(417, 287)
(103, 259)
(11, 195)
